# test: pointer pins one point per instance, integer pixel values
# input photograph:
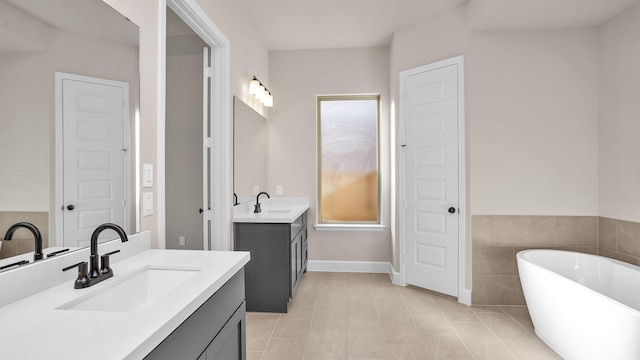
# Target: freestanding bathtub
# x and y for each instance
(583, 306)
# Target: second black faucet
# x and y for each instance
(256, 207)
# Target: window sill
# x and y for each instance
(349, 227)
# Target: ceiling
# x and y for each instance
(302, 24)
(543, 14)
(26, 24)
(305, 24)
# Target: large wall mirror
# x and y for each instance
(83, 39)
(250, 151)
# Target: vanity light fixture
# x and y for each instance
(261, 93)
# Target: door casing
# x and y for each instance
(464, 253)
(220, 101)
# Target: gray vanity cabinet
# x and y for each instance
(278, 260)
(215, 331)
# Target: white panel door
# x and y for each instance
(431, 179)
(94, 118)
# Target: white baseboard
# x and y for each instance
(465, 297)
(349, 266)
(396, 279)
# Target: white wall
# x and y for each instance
(620, 116)
(533, 122)
(296, 78)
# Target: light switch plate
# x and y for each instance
(279, 190)
(147, 204)
(147, 175)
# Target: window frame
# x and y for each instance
(347, 225)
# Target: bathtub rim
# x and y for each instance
(520, 257)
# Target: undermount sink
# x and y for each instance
(134, 292)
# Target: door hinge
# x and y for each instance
(208, 71)
(208, 142)
(207, 214)
(124, 202)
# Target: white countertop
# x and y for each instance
(274, 210)
(35, 329)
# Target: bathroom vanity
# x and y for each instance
(277, 241)
(159, 304)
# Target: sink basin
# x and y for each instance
(134, 292)
(277, 211)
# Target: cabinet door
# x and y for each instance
(293, 266)
(230, 342)
(299, 256)
(305, 251)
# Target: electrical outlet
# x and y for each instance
(182, 240)
(279, 190)
(256, 189)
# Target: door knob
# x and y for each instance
(452, 210)
(70, 207)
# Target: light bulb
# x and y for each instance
(268, 101)
(253, 86)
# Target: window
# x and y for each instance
(348, 160)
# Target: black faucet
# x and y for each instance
(235, 199)
(257, 208)
(96, 273)
(37, 255)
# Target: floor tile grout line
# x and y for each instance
(313, 315)
(517, 322)
(404, 302)
(453, 327)
(496, 335)
(375, 303)
(270, 337)
(526, 330)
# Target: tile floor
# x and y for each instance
(351, 316)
